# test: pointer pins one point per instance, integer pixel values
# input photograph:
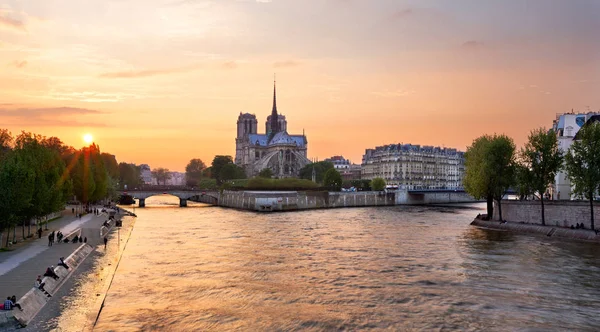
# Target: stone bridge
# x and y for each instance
(184, 195)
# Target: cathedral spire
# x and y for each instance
(274, 117)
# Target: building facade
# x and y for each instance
(282, 153)
(566, 126)
(414, 166)
(146, 174)
(347, 169)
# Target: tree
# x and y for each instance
(161, 174)
(543, 158)
(266, 173)
(524, 181)
(193, 172)
(129, 175)
(320, 168)
(378, 184)
(6, 142)
(16, 190)
(489, 169)
(111, 165)
(333, 179)
(583, 163)
(207, 173)
(217, 164)
(232, 172)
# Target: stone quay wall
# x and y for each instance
(265, 201)
(302, 200)
(551, 231)
(558, 213)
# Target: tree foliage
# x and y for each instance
(217, 164)
(333, 179)
(266, 173)
(377, 184)
(161, 175)
(193, 171)
(231, 172)
(320, 168)
(489, 169)
(543, 158)
(129, 175)
(583, 164)
(38, 175)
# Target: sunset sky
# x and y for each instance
(163, 81)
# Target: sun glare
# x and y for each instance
(88, 138)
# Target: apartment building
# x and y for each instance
(415, 167)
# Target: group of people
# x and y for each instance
(578, 226)
(60, 237)
(39, 284)
(11, 302)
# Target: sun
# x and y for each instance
(88, 138)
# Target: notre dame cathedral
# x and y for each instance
(282, 153)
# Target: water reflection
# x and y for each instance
(397, 268)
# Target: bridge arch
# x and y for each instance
(201, 196)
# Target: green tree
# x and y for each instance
(111, 165)
(266, 173)
(6, 143)
(333, 179)
(129, 175)
(489, 169)
(524, 181)
(161, 174)
(193, 171)
(217, 164)
(231, 172)
(320, 168)
(16, 190)
(583, 163)
(207, 173)
(542, 156)
(377, 184)
(81, 175)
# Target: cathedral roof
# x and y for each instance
(279, 138)
(282, 137)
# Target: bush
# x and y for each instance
(208, 184)
(378, 184)
(259, 183)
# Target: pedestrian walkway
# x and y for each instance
(19, 268)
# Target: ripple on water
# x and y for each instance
(346, 269)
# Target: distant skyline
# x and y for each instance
(162, 81)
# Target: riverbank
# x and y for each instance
(82, 296)
(19, 268)
(551, 231)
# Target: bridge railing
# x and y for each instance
(162, 188)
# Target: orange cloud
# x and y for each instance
(20, 64)
(147, 73)
(10, 22)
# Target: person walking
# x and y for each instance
(49, 240)
(105, 242)
(39, 231)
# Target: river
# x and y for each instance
(396, 268)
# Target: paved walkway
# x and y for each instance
(19, 268)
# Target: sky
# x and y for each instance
(163, 81)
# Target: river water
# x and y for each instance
(387, 268)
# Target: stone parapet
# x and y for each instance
(552, 231)
(557, 213)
